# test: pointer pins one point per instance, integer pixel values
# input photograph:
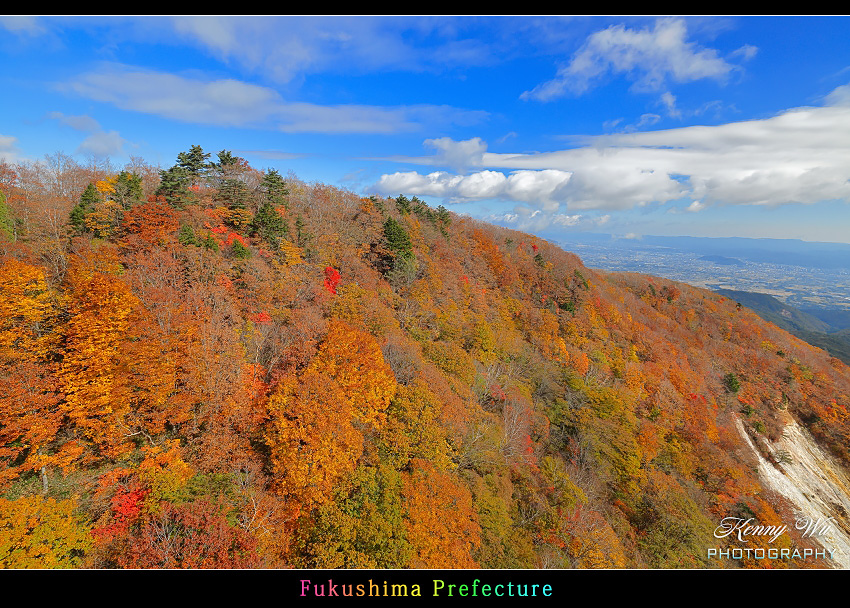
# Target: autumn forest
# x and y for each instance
(219, 366)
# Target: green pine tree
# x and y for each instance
(88, 200)
(269, 224)
(240, 251)
(398, 241)
(234, 194)
(299, 231)
(226, 159)
(275, 188)
(444, 216)
(186, 236)
(210, 243)
(731, 383)
(128, 189)
(174, 186)
(402, 203)
(194, 161)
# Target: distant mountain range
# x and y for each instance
(792, 252)
(816, 330)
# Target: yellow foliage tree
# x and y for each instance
(164, 473)
(354, 360)
(291, 253)
(413, 427)
(41, 533)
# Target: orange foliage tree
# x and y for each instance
(312, 441)
(99, 306)
(30, 417)
(442, 525)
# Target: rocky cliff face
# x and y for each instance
(813, 482)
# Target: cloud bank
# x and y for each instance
(544, 187)
(798, 156)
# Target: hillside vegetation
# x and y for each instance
(214, 366)
(800, 323)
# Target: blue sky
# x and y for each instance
(701, 126)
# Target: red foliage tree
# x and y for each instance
(193, 535)
(152, 222)
(332, 278)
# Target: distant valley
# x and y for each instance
(806, 275)
(722, 260)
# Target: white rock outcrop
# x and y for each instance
(812, 481)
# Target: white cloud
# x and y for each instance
(458, 154)
(649, 57)
(225, 102)
(505, 218)
(840, 96)
(438, 183)
(523, 218)
(746, 52)
(283, 48)
(561, 219)
(694, 207)
(668, 100)
(8, 148)
(99, 142)
(617, 186)
(102, 144)
(602, 187)
(610, 125)
(484, 184)
(506, 137)
(78, 123)
(798, 156)
(232, 103)
(545, 187)
(647, 120)
(541, 188)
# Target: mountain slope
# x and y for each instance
(804, 325)
(299, 376)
